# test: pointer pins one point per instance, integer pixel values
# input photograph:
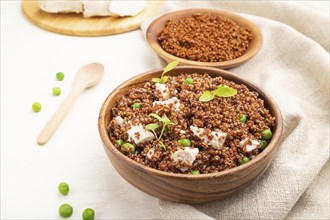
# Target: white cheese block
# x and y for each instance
(163, 90)
(123, 8)
(119, 121)
(249, 147)
(145, 135)
(61, 6)
(91, 8)
(182, 132)
(188, 155)
(174, 101)
(96, 8)
(218, 137)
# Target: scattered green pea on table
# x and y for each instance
(36, 107)
(63, 188)
(65, 210)
(59, 76)
(88, 214)
(56, 91)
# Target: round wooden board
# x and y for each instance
(77, 25)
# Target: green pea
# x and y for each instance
(88, 214)
(185, 142)
(266, 134)
(243, 118)
(263, 145)
(195, 172)
(63, 188)
(59, 76)
(65, 210)
(188, 81)
(120, 142)
(56, 91)
(244, 160)
(36, 107)
(127, 147)
(137, 105)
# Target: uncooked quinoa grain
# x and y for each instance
(205, 37)
(205, 153)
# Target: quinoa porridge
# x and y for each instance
(205, 37)
(177, 126)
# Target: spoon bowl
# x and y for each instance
(86, 77)
(89, 75)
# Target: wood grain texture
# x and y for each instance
(182, 187)
(157, 25)
(77, 25)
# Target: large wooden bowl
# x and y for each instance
(158, 24)
(182, 187)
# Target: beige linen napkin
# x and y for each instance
(292, 66)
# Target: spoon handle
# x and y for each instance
(58, 116)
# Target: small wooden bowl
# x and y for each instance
(158, 24)
(182, 187)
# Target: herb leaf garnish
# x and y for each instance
(162, 145)
(168, 68)
(164, 120)
(224, 91)
(152, 127)
(207, 96)
(156, 116)
(221, 91)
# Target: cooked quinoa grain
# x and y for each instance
(204, 137)
(205, 37)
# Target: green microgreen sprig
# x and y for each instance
(168, 68)
(221, 91)
(165, 122)
(152, 127)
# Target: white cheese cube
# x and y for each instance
(145, 135)
(96, 8)
(188, 155)
(119, 121)
(126, 8)
(57, 6)
(217, 140)
(163, 90)
(174, 101)
(249, 147)
(182, 132)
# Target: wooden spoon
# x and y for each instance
(88, 76)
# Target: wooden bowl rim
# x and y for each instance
(253, 50)
(273, 145)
